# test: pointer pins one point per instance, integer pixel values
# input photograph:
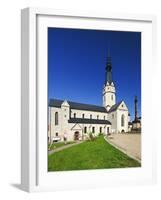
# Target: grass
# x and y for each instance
(59, 144)
(96, 154)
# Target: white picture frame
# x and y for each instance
(34, 176)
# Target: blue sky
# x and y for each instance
(77, 60)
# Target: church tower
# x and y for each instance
(109, 97)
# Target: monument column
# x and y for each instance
(136, 112)
(136, 124)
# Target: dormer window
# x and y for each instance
(90, 116)
(74, 115)
(83, 116)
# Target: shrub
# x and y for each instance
(99, 134)
(92, 138)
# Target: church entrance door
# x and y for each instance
(76, 135)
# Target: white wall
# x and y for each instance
(10, 99)
(115, 119)
(112, 117)
(122, 110)
(63, 126)
(109, 96)
(53, 129)
(72, 128)
(119, 127)
(88, 113)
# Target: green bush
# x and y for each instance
(92, 138)
(99, 134)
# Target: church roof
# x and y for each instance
(55, 103)
(79, 106)
(88, 121)
(114, 107)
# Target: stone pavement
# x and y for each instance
(64, 147)
(129, 143)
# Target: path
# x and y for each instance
(129, 143)
(64, 147)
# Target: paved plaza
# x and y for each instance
(129, 143)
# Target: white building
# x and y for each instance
(76, 120)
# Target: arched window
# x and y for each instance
(100, 129)
(56, 118)
(74, 115)
(85, 129)
(104, 117)
(83, 116)
(122, 120)
(112, 116)
(90, 116)
(93, 129)
(56, 134)
(97, 116)
(112, 97)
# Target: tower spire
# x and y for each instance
(108, 74)
(109, 92)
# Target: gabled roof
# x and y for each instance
(115, 106)
(79, 106)
(88, 121)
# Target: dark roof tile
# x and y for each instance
(88, 121)
(55, 103)
(114, 107)
(78, 106)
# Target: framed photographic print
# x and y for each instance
(86, 99)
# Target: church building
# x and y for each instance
(76, 120)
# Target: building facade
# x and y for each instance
(75, 121)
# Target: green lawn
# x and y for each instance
(59, 144)
(96, 154)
